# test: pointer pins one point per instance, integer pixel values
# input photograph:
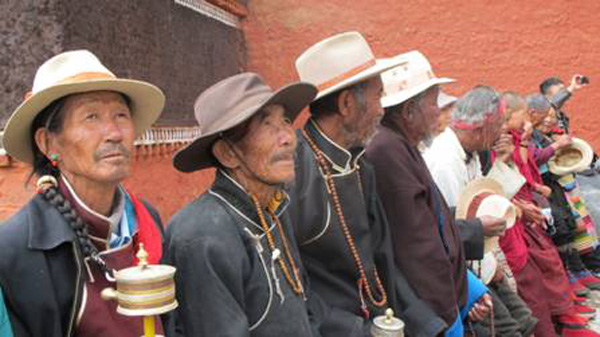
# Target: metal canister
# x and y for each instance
(143, 290)
(387, 326)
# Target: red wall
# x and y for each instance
(507, 44)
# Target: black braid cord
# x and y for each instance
(58, 201)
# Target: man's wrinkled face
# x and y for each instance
(491, 131)
(268, 148)
(517, 119)
(536, 117)
(444, 119)
(367, 114)
(549, 123)
(426, 114)
(97, 137)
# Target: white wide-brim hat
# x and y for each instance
(572, 159)
(485, 196)
(75, 72)
(409, 79)
(445, 100)
(340, 61)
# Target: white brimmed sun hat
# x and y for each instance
(340, 61)
(411, 78)
(76, 72)
(574, 158)
(485, 196)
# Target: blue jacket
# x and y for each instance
(5, 328)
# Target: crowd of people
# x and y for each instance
(373, 204)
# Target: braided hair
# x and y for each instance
(52, 118)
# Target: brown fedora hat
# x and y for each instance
(231, 102)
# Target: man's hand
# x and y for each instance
(532, 213)
(493, 226)
(504, 147)
(575, 83)
(482, 308)
(544, 190)
(562, 141)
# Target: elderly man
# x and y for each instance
(566, 238)
(76, 128)
(539, 108)
(554, 89)
(340, 227)
(476, 125)
(427, 245)
(446, 104)
(239, 272)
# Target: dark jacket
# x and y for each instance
(41, 271)
(471, 236)
(561, 97)
(563, 228)
(427, 245)
(325, 253)
(225, 280)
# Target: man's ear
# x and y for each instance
(41, 138)
(408, 110)
(223, 151)
(345, 102)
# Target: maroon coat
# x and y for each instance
(427, 245)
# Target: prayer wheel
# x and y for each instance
(144, 290)
(387, 326)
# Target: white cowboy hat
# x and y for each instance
(69, 73)
(485, 196)
(444, 100)
(409, 79)
(574, 158)
(339, 62)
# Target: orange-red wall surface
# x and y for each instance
(510, 45)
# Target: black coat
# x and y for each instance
(331, 268)
(224, 282)
(41, 271)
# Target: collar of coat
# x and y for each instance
(237, 199)
(47, 228)
(341, 160)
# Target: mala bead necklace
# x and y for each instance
(362, 282)
(295, 281)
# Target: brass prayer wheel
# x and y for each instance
(143, 290)
(387, 326)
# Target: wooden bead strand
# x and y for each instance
(295, 282)
(362, 282)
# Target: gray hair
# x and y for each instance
(475, 106)
(538, 103)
